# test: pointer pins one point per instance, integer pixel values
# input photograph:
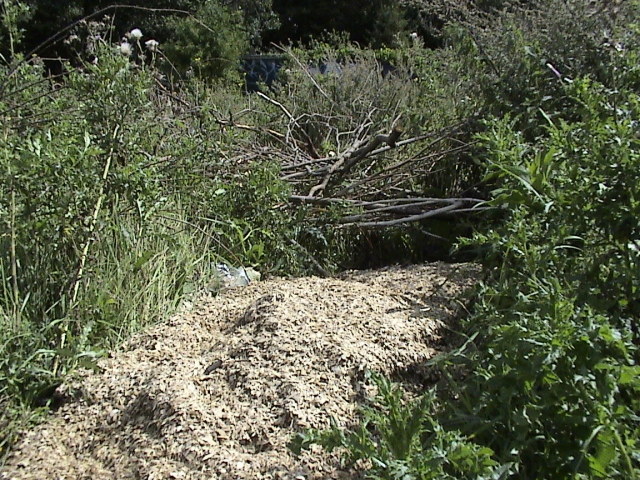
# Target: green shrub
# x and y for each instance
(524, 53)
(555, 385)
(249, 216)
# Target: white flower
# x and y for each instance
(136, 34)
(152, 45)
(413, 36)
(125, 48)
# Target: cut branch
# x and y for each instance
(413, 218)
(251, 128)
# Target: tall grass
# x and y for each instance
(138, 274)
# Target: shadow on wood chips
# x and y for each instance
(217, 391)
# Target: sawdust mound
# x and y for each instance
(218, 391)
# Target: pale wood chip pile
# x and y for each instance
(218, 391)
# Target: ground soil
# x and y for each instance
(217, 391)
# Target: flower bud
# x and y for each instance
(152, 45)
(125, 49)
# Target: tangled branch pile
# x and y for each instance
(356, 139)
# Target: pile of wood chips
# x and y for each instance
(219, 390)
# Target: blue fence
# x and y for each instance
(263, 69)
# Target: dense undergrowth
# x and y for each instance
(123, 186)
(116, 203)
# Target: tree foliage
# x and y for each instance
(209, 43)
(374, 23)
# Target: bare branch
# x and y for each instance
(413, 218)
(347, 161)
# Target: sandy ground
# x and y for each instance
(218, 391)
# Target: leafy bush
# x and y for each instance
(523, 55)
(559, 324)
